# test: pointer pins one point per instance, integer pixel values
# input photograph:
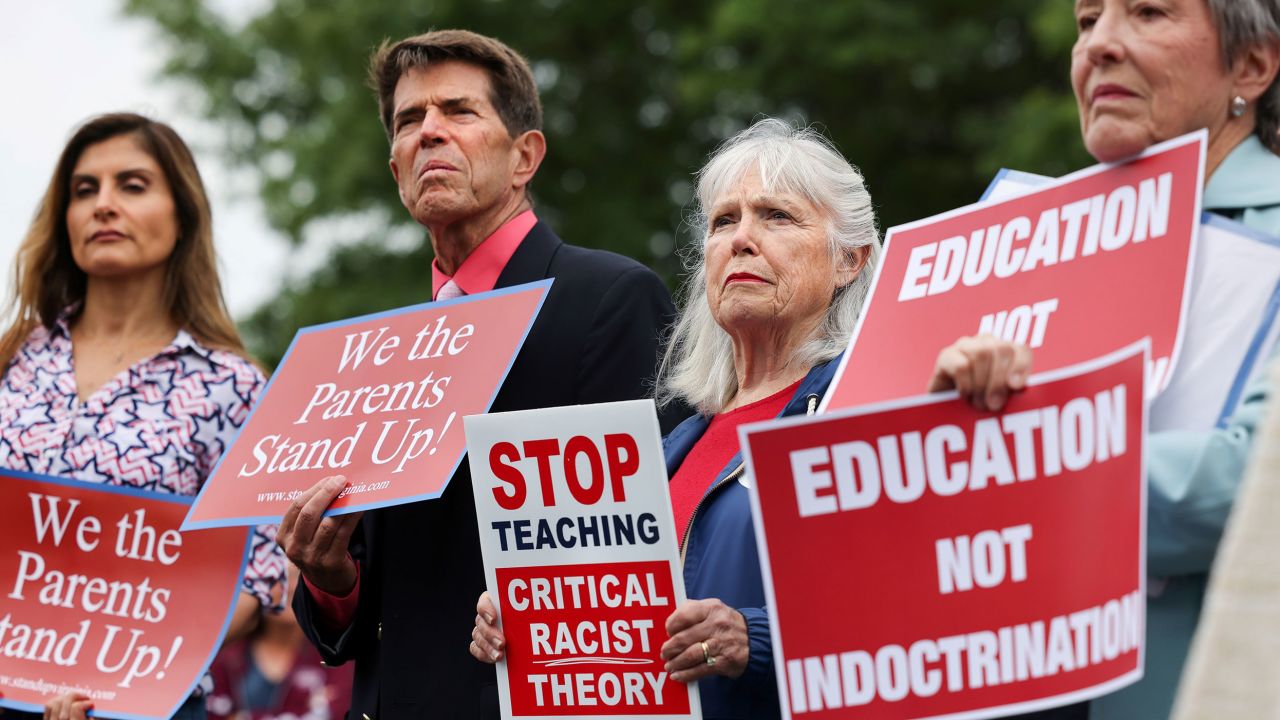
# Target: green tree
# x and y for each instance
(928, 98)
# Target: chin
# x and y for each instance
(1111, 144)
(440, 211)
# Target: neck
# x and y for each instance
(455, 241)
(1224, 141)
(765, 363)
(125, 307)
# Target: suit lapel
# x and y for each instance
(532, 260)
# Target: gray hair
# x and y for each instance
(698, 364)
(1243, 24)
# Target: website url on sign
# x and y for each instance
(45, 688)
(291, 495)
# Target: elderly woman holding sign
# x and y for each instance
(1144, 73)
(775, 288)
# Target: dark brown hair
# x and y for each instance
(513, 92)
(47, 279)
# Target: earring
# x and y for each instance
(1238, 106)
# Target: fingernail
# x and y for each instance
(488, 618)
(497, 642)
(1017, 378)
(493, 654)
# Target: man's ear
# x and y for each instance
(395, 173)
(1255, 69)
(527, 150)
(851, 264)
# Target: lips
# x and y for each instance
(433, 165)
(1111, 91)
(743, 277)
(106, 236)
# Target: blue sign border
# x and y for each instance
(544, 285)
(82, 485)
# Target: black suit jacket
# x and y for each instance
(595, 340)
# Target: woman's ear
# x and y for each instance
(1255, 69)
(851, 264)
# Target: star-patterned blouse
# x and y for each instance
(160, 425)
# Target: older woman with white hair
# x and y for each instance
(774, 289)
(773, 293)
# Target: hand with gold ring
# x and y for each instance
(707, 638)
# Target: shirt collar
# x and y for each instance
(479, 272)
(1241, 181)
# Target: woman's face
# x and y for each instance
(121, 217)
(1145, 71)
(769, 264)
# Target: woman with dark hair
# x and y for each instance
(122, 364)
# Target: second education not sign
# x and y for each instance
(924, 559)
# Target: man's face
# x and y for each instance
(451, 154)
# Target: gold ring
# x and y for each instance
(706, 654)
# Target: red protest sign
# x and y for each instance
(987, 564)
(105, 597)
(580, 558)
(1075, 268)
(378, 399)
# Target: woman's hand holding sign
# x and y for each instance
(487, 641)
(983, 369)
(707, 638)
(318, 544)
(68, 706)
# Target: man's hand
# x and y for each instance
(983, 369)
(318, 544)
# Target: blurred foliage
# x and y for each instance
(928, 97)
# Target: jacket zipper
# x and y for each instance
(689, 526)
(812, 407)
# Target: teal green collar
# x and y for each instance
(1248, 177)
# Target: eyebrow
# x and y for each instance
(453, 103)
(779, 201)
(122, 175)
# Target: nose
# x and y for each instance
(744, 241)
(104, 207)
(1106, 41)
(432, 131)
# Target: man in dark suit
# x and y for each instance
(396, 591)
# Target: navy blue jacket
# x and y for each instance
(720, 561)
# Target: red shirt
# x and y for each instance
(714, 450)
(478, 273)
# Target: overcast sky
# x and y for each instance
(66, 60)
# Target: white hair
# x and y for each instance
(698, 365)
(1244, 24)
